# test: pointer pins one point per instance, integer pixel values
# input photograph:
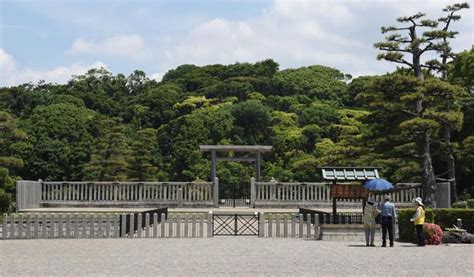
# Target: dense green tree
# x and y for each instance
(102, 126)
(252, 120)
(61, 139)
(110, 155)
(316, 82)
(142, 150)
(11, 139)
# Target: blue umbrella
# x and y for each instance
(378, 184)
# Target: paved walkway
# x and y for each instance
(234, 256)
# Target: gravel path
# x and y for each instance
(241, 256)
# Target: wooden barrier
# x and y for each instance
(274, 194)
(35, 194)
(81, 225)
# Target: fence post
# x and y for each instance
(155, 225)
(39, 193)
(4, 226)
(13, 227)
(44, 226)
(273, 189)
(68, 225)
(293, 226)
(108, 224)
(28, 226)
(270, 226)
(147, 225)
(210, 224)
(186, 227)
(193, 226)
(261, 223)
(132, 225)
(76, 225)
(19, 192)
(277, 225)
(180, 197)
(300, 222)
(215, 193)
(123, 227)
(60, 225)
(201, 225)
(90, 191)
(36, 227)
(163, 225)
(253, 192)
(316, 226)
(308, 226)
(139, 225)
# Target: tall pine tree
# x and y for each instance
(109, 158)
(410, 40)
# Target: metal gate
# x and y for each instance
(236, 224)
(234, 196)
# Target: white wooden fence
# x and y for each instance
(284, 193)
(78, 225)
(34, 194)
(289, 225)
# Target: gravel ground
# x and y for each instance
(241, 256)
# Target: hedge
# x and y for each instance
(445, 218)
(406, 228)
(470, 203)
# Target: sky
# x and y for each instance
(52, 40)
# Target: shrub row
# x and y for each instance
(468, 204)
(445, 218)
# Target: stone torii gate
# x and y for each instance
(256, 149)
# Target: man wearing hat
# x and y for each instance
(419, 220)
(389, 216)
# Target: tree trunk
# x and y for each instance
(426, 168)
(451, 165)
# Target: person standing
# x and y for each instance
(419, 220)
(388, 219)
(370, 212)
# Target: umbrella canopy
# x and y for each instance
(378, 184)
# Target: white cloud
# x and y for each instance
(156, 76)
(294, 33)
(11, 75)
(7, 64)
(297, 33)
(124, 46)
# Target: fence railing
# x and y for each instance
(274, 193)
(81, 225)
(281, 191)
(33, 194)
(125, 191)
(276, 225)
(338, 218)
(147, 225)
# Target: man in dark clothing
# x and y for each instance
(389, 216)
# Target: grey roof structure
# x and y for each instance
(350, 173)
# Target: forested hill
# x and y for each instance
(101, 126)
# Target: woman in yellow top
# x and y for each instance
(419, 220)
